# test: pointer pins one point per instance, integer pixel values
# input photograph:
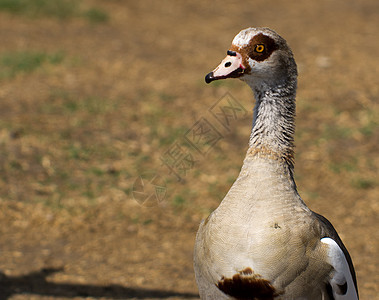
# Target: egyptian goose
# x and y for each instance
(263, 242)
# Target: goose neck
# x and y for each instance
(273, 129)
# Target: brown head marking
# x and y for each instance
(259, 49)
(258, 41)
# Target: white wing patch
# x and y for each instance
(342, 281)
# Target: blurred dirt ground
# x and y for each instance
(92, 100)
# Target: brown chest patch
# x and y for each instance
(246, 286)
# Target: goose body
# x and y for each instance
(263, 242)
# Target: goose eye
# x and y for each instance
(259, 48)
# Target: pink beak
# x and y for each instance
(230, 67)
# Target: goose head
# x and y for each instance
(258, 56)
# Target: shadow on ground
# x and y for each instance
(35, 283)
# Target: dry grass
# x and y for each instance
(88, 107)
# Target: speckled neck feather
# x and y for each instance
(273, 129)
(274, 120)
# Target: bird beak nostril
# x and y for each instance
(231, 67)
